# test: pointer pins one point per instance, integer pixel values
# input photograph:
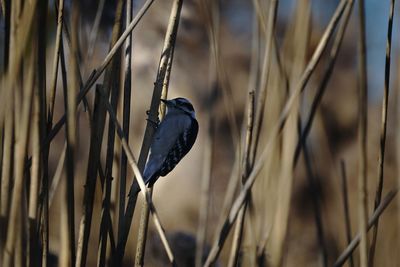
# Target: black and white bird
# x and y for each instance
(173, 139)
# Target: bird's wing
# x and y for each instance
(163, 140)
(180, 148)
(169, 146)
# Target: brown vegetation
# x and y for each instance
(293, 165)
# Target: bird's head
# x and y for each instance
(180, 104)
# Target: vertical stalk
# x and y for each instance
(126, 118)
(372, 220)
(346, 207)
(262, 90)
(246, 165)
(207, 167)
(114, 84)
(139, 178)
(150, 127)
(64, 257)
(385, 103)
(56, 58)
(71, 111)
(35, 183)
(362, 136)
(276, 130)
(19, 162)
(6, 167)
(204, 192)
(96, 138)
(169, 47)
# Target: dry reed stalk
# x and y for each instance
(168, 49)
(113, 83)
(27, 15)
(112, 215)
(397, 143)
(279, 84)
(205, 187)
(20, 46)
(204, 202)
(135, 168)
(211, 14)
(18, 254)
(327, 74)
(312, 181)
(238, 233)
(299, 36)
(34, 243)
(385, 103)
(126, 118)
(212, 20)
(95, 75)
(95, 29)
(19, 159)
(6, 13)
(362, 136)
(249, 151)
(14, 23)
(96, 139)
(65, 257)
(57, 175)
(150, 128)
(224, 230)
(371, 222)
(70, 103)
(45, 147)
(56, 58)
(346, 208)
(6, 167)
(321, 90)
(262, 90)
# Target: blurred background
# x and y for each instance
(218, 61)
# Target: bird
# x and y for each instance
(172, 140)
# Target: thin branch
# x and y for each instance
(262, 90)
(34, 242)
(135, 168)
(27, 17)
(385, 103)
(316, 204)
(362, 136)
(20, 154)
(372, 221)
(57, 175)
(71, 138)
(56, 59)
(125, 119)
(212, 19)
(96, 140)
(150, 129)
(169, 48)
(114, 85)
(6, 165)
(95, 29)
(346, 207)
(238, 235)
(327, 75)
(224, 230)
(205, 189)
(95, 75)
